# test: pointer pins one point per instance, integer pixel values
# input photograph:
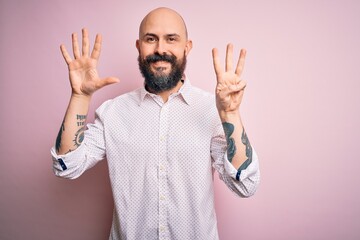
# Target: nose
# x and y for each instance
(160, 47)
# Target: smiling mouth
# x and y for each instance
(160, 66)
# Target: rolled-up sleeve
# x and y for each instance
(90, 152)
(249, 178)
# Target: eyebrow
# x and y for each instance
(168, 35)
(173, 35)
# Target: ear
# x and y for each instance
(188, 47)
(137, 44)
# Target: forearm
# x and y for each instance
(239, 151)
(71, 132)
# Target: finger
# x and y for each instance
(75, 46)
(237, 87)
(65, 54)
(241, 62)
(85, 43)
(233, 89)
(107, 81)
(97, 47)
(226, 92)
(229, 57)
(216, 61)
(241, 85)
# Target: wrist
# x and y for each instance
(229, 115)
(81, 97)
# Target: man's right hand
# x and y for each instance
(83, 75)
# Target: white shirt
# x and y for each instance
(161, 159)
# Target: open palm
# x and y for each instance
(83, 74)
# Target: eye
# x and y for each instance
(150, 39)
(172, 39)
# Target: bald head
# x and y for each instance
(163, 19)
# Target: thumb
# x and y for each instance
(107, 81)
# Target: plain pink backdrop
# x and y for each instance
(301, 111)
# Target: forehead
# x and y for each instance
(162, 22)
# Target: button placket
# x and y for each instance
(163, 211)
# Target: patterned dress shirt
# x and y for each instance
(161, 159)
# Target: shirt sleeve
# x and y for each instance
(90, 152)
(248, 178)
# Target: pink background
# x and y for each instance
(301, 110)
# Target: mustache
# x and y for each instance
(157, 57)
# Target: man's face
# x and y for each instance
(163, 47)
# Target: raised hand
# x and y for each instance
(83, 74)
(229, 88)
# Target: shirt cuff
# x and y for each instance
(61, 162)
(244, 173)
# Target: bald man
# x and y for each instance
(163, 141)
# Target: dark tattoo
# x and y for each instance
(248, 152)
(81, 120)
(231, 147)
(79, 137)
(80, 117)
(58, 138)
(246, 142)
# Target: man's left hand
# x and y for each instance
(230, 87)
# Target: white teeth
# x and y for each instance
(160, 69)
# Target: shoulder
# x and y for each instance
(125, 100)
(198, 91)
(202, 97)
(203, 104)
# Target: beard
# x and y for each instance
(158, 81)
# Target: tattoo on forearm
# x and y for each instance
(231, 147)
(58, 138)
(80, 120)
(246, 142)
(248, 152)
(80, 117)
(79, 137)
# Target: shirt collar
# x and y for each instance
(184, 91)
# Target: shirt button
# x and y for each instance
(162, 138)
(62, 164)
(162, 228)
(162, 167)
(162, 197)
